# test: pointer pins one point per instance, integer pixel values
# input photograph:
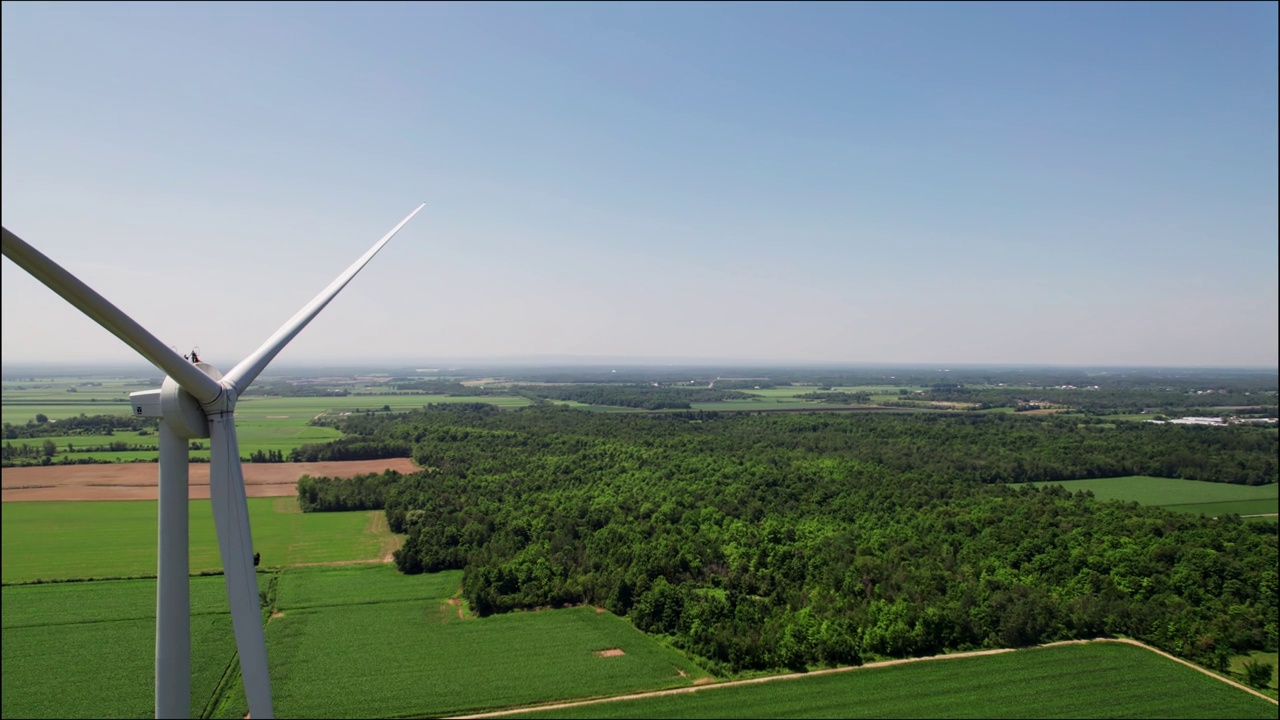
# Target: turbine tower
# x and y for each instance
(195, 401)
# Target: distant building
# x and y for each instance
(1198, 421)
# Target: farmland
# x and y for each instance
(140, 481)
(340, 637)
(1071, 681)
(87, 649)
(56, 540)
(742, 545)
(275, 423)
(263, 423)
(1189, 496)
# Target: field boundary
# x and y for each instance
(828, 671)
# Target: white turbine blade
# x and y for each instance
(231, 516)
(101, 311)
(242, 375)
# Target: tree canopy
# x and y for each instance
(759, 541)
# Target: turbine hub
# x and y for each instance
(182, 412)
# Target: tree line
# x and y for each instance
(41, 426)
(329, 494)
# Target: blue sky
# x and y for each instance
(949, 183)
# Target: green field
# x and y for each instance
(360, 585)
(369, 642)
(88, 649)
(56, 540)
(1192, 496)
(68, 397)
(1074, 681)
(777, 403)
(262, 422)
(254, 434)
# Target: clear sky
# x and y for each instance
(952, 183)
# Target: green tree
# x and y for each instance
(1257, 673)
(50, 448)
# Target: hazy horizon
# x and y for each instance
(141, 367)
(768, 184)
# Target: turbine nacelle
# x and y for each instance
(181, 411)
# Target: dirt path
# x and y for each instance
(138, 481)
(457, 603)
(379, 528)
(883, 663)
(730, 683)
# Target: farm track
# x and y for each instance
(882, 663)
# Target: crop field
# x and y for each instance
(263, 422)
(87, 649)
(305, 408)
(254, 434)
(763, 403)
(1091, 680)
(360, 585)
(67, 397)
(369, 642)
(57, 540)
(787, 391)
(19, 413)
(1191, 496)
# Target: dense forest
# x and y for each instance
(362, 492)
(351, 448)
(756, 541)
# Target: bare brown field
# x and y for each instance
(138, 481)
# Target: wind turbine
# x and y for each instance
(195, 401)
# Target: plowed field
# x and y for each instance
(139, 481)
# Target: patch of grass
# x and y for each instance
(1074, 681)
(1237, 669)
(1192, 496)
(1240, 507)
(776, 403)
(788, 391)
(361, 584)
(58, 540)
